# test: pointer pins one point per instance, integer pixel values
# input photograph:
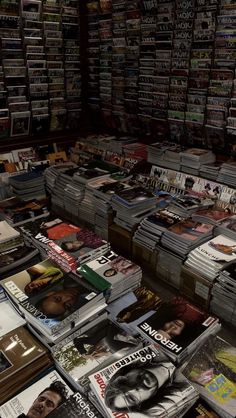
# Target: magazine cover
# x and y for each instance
(164, 218)
(134, 308)
(189, 230)
(18, 350)
(31, 401)
(142, 384)
(176, 325)
(80, 355)
(107, 270)
(212, 372)
(134, 196)
(215, 215)
(75, 406)
(9, 318)
(220, 248)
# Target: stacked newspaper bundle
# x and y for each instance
(141, 384)
(193, 158)
(185, 235)
(223, 292)
(227, 173)
(179, 327)
(152, 227)
(53, 302)
(212, 372)
(131, 205)
(209, 258)
(28, 186)
(113, 273)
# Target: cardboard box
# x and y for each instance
(195, 287)
(121, 240)
(144, 257)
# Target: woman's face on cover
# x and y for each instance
(174, 328)
(59, 302)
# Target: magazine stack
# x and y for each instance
(157, 154)
(133, 308)
(151, 228)
(213, 216)
(186, 235)
(81, 354)
(212, 372)
(16, 211)
(227, 227)
(193, 158)
(51, 174)
(28, 186)
(210, 171)
(224, 293)
(112, 273)
(209, 258)
(132, 203)
(143, 384)
(68, 244)
(179, 327)
(52, 302)
(227, 174)
(21, 358)
(28, 402)
(186, 205)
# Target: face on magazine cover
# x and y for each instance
(71, 246)
(47, 401)
(57, 304)
(140, 386)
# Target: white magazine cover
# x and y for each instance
(39, 399)
(142, 384)
(220, 248)
(9, 318)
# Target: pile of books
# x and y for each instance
(224, 294)
(112, 273)
(28, 186)
(209, 258)
(193, 158)
(185, 235)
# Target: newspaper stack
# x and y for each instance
(116, 388)
(209, 258)
(211, 372)
(227, 173)
(223, 301)
(53, 302)
(193, 158)
(210, 171)
(28, 186)
(179, 327)
(185, 235)
(132, 203)
(152, 227)
(112, 273)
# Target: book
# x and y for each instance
(29, 401)
(178, 326)
(212, 372)
(142, 384)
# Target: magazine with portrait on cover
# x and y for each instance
(143, 384)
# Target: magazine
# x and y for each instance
(79, 355)
(212, 372)
(176, 326)
(9, 319)
(142, 384)
(75, 406)
(28, 401)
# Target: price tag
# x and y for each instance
(221, 388)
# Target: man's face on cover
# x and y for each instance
(44, 404)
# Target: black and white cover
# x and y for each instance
(143, 384)
(75, 406)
